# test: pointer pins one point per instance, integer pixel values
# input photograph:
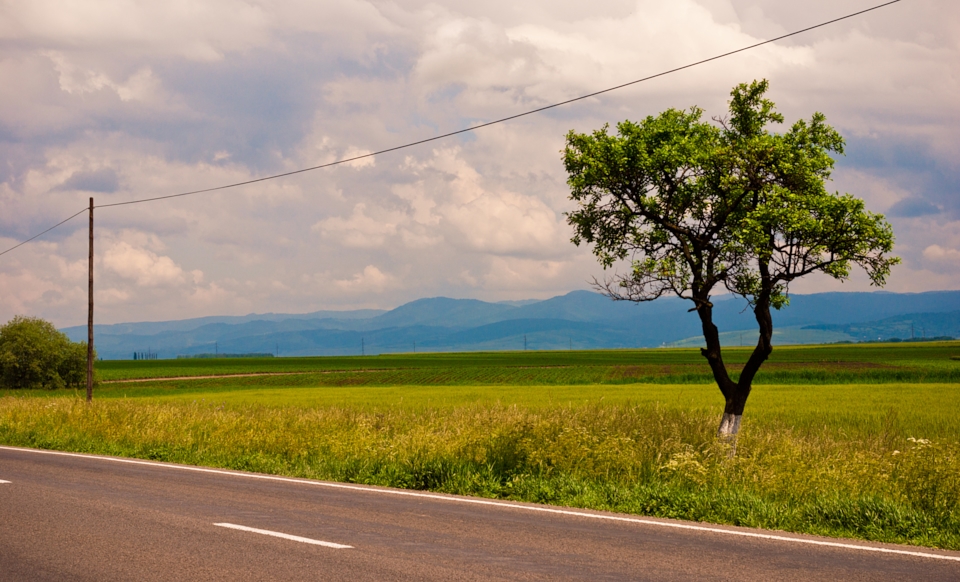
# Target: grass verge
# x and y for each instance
(872, 462)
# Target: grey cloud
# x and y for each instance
(915, 166)
(913, 207)
(102, 180)
(52, 296)
(887, 151)
(258, 106)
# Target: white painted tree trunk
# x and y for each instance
(729, 427)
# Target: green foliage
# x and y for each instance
(34, 354)
(696, 205)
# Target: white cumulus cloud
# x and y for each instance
(938, 253)
(370, 279)
(141, 265)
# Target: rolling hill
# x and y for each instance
(577, 320)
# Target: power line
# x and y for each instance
(44, 232)
(473, 127)
(503, 119)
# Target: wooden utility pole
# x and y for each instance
(90, 312)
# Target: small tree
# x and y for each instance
(699, 207)
(34, 354)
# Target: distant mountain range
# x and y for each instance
(577, 320)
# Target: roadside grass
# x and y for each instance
(855, 410)
(871, 461)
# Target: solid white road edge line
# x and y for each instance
(452, 499)
(277, 534)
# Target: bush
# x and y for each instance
(34, 354)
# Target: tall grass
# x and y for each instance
(811, 476)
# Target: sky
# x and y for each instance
(126, 99)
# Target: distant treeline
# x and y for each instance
(252, 355)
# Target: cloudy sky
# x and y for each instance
(124, 99)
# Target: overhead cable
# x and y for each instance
(473, 127)
(64, 221)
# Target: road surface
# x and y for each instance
(66, 517)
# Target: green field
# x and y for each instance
(856, 363)
(849, 440)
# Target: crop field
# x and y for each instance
(919, 362)
(857, 440)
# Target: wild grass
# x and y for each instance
(871, 462)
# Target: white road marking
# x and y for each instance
(541, 509)
(277, 534)
(2, 481)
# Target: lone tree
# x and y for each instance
(699, 207)
(34, 354)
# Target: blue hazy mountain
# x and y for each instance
(154, 327)
(579, 320)
(443, 312)
(907, 326)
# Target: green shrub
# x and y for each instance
(34, 354)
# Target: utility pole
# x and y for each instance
(363, 348)
(524, 342)
(414, 347)
(90, 312)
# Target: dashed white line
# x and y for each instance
(277, 534)
(2, 481)
(540, 509)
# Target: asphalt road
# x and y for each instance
(76, 517)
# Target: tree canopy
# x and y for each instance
(34, 354)
(699, 207)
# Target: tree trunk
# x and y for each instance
(733, 410)
(735, 394)
(729, 427)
